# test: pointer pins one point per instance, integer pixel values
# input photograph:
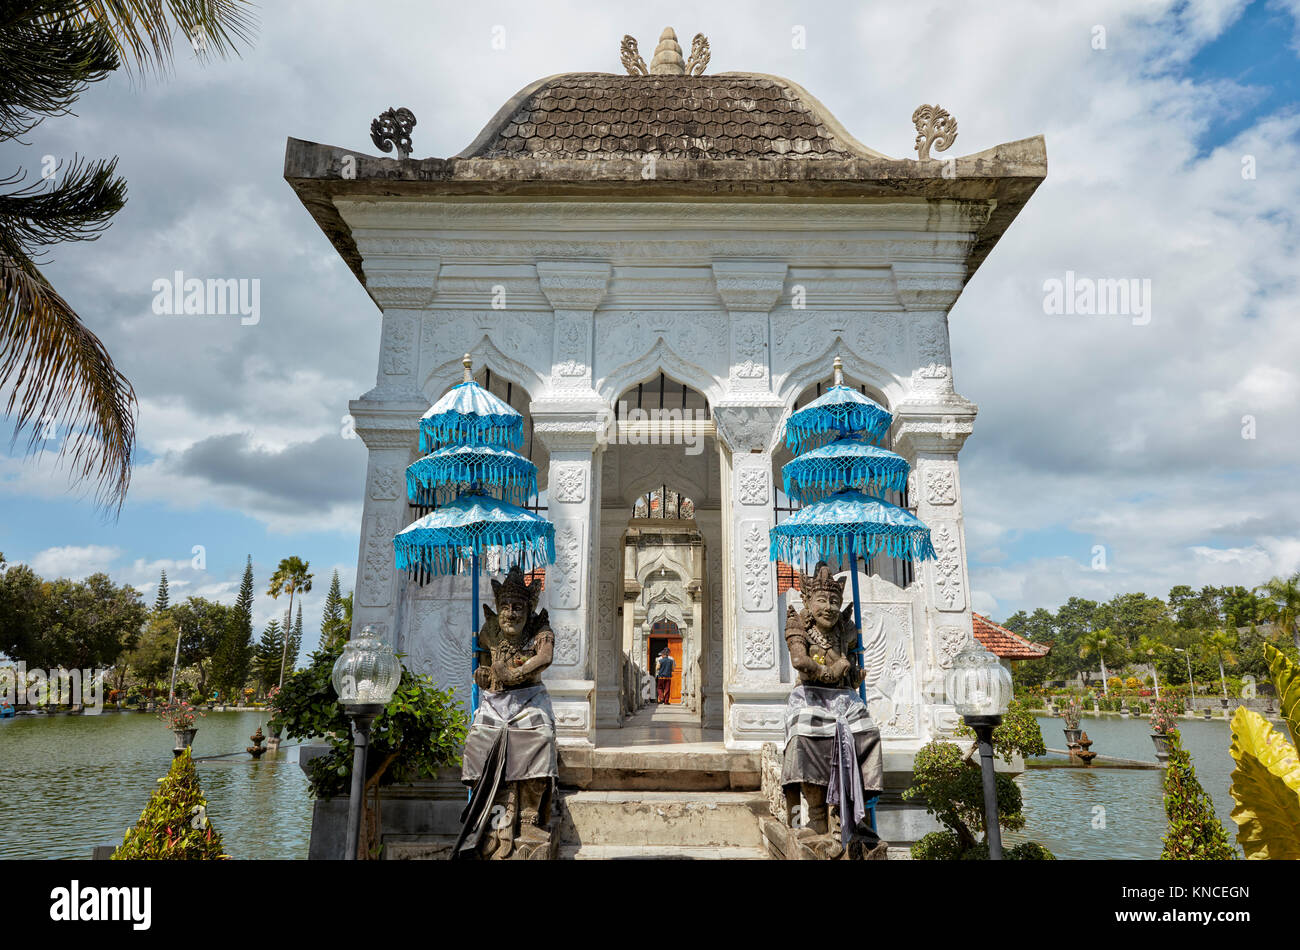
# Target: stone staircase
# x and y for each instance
(663, 824)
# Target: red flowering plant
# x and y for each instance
(178, 716)
(1164, 715)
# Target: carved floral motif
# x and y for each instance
(940, 486)
(568, 644)
(758, 582)
(570, 482)
(949, 594)
(758, 652)
(383, 483)
(753, 483)
(566, 573)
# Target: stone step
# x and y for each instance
(652, 819)
(659, 768)
(611, 852)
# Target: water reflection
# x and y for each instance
(1064, 808)
(69, 783)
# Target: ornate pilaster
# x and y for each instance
(755, 693)
(930, 437)
(749, 290)
(390, 431)
(403, 287)
(574, 289)
(572, 436)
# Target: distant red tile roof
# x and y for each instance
(1004, 643)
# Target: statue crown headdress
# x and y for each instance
(516, 588)
(821, 580)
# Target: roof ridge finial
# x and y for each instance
(469, 368)
(668, 56)
(839, 371)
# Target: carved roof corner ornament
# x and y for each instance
(393, 128)
(934, 127)
(667, 59)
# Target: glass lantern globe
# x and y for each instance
(978, 684)
(367, 672)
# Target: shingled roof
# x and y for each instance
(605, 116)
(1004, 643)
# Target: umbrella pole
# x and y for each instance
(473, 640)
(857, 612)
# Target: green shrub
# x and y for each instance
(953, 791)
(174, 825)
(420, 730)
(1195, 832)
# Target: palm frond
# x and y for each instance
(76, 204)
(46, 61)
(145, 32)
(60, 371)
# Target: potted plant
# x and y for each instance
(1164, 719)
(1070, 713)
(179, 718)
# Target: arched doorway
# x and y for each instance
(665, 635)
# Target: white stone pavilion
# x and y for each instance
(656, 270)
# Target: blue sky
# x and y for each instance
(1092, 431)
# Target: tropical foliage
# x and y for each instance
(1266, 778)
(1195, 832)
(174, 825)
(56, 370)
(950, 783)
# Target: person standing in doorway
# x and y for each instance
(664, 677)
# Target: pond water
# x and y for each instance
(1065, 808)
(69, 783)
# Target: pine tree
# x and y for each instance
(1195, 832)
(244, 604)
(333, 605)
(268, 656)
(295, 642)
(161, 602)
(174, 825)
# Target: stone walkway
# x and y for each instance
(653, 725)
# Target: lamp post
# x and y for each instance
(979, 687)
(365, 676)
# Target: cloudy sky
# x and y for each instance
(1107, 456)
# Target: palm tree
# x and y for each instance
(1149, 646)
(57, 371)
(291, 576)
(1101, 643)
(1221, 644)
(1282, 604)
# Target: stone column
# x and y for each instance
(747, 420)
(571, 420)
(387, 420)
(755, 694)
(930, 439)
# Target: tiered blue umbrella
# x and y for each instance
(480, 484)
(839, 519)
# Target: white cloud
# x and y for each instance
(74, 562)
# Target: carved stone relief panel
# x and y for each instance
(757, 568)
(889, 661)
(753, 483)
(565, 576)
(948, 641)
(757, 651)
(568, 644)
(383, 482)
(399, 343)
(697, 338)
(377, 565)
(940, 485)
(949, 591)
(570, 481)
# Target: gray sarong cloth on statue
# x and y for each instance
(813, 715)
(529, 721)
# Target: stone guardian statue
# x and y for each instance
(510, 756)
(832, 758)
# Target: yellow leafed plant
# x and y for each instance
(1266, 780)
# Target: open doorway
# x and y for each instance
(665, 634)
